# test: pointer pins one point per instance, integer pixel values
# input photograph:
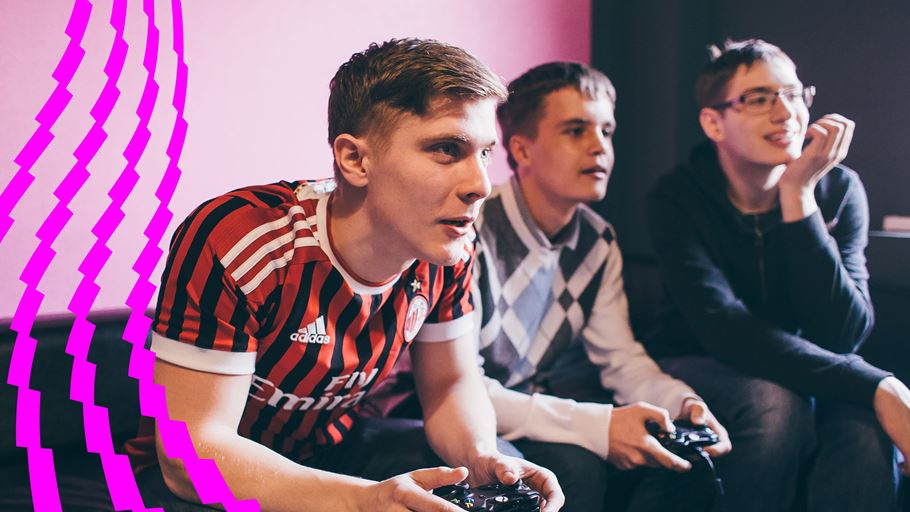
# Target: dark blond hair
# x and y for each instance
(714, 79)
(520, 114)
(403, 76)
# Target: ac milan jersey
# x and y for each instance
(252, 286)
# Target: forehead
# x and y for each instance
(772, 74)
(568, 104)
(473, 119)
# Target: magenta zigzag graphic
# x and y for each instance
(117, 471)
(28, 408)
(47, 116)
(204, 474)
(206, 478)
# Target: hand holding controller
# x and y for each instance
(491, 498)
(688, 441)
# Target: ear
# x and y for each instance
(351, 159)
(711, 123)
(519, 146)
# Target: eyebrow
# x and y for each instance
(765, 88)
(458, 138)
(577, 121)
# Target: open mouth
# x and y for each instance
(780, 137)
(460, 222)
(596, 170)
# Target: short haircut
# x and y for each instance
(523, 109)
(712, 84)
(403, 76)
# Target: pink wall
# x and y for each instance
(255, 107)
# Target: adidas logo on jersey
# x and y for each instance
(313, 333)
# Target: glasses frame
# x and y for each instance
(808, 97)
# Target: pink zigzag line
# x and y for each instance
(40, 460)
(137, 325)
(117, 470)
(41, 468)
(47, 116)
(204, 474)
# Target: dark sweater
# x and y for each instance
(788, 302)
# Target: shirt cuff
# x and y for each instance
(447, 331)
(203, 359)
(561, 420)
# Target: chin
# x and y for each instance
(778, 156)
(794, 153)
(591, 196)
(445, 255)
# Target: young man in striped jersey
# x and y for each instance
(555, 317)
(282, 306)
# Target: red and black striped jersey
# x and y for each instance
(252, 286)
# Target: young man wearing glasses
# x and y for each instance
(760, 241)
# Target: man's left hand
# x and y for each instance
(698, 413)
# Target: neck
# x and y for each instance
(357, 242)
(549, 213)
(751, 188)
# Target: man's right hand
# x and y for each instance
(892, 408)
(632, 446)
(412, 491)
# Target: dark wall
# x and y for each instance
(856, 53)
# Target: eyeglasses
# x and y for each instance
(762, 101)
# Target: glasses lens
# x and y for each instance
(757, 102)
(809, 95)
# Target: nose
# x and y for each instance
(476, 185)
(783, 109)
(602, 145)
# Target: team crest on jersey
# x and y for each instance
(417, 313)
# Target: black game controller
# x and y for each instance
(688, 442)
(517, 497)
(688, 439)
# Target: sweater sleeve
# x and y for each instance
(826, 273)
(547, 418)
(726, 328)
(625, 367)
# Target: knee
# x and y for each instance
(775, 418)
(581, 473)
(583, 480)
(588, 468)
(855, 431)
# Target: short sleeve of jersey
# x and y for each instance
(453, 314)
(203, 320)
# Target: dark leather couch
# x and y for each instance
(79, 475)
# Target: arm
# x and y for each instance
(624, 365)
(617, 434)
(827, 273)
(892, 408)
(550, 419)
(636, 379)
(727, 329)
(593, 426)
(460, 422)
(211, 406)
